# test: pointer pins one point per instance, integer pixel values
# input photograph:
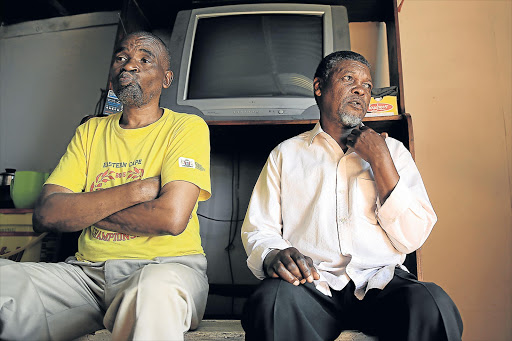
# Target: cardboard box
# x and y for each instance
(15, 233)
(382, 106)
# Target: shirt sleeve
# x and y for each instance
(188, 156)
(71, 170)
(407, 215)
(263, 225)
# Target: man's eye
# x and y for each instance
(120, 58)
(347, 78)
(367, 85)
(145, 60)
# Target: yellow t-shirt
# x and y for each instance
(103, 155)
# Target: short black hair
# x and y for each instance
(160, 42)
(329, 62)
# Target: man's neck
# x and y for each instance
(135, 117)
(337, 132)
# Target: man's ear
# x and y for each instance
(317, 86)
(168, 77)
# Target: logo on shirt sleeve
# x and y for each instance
(186, 162)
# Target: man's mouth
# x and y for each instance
(356, 104)
(125, 78)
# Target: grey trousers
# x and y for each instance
(157, 299)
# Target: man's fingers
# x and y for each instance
(304, 268)
(314, 273)
(293, 267)
(384, 135)
(282, 272)
(272, 273)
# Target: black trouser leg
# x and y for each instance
(277, 310)
(407, 309)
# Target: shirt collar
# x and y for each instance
(317, 129)
(314, 132)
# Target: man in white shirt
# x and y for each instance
(331, 219)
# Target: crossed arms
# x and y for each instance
(137, 208)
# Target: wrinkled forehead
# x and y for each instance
(352, 66)
(141, 43)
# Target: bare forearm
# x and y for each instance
(144, 219)
(67, 212)
(168, 214)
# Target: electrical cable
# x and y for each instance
(235, 180)
(98, 110)
(237, 201)
(214, 219)
(229, 246)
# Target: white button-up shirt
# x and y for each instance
(324, 202)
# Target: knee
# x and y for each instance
(271, 299)
(429, 303)
(158, 288)
(429, 298)
(268, 293)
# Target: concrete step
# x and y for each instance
(216, 330)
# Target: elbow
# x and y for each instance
(406, 249)
(173, 227)
(40, 223)
(38, 228)
(413, 241)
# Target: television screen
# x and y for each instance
(251, 62)
(265, 55)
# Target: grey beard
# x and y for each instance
(349, 121)
(131, 95)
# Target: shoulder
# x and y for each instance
(292, 146)
(183, 119)
(94, 123)
(397, 149)
(185, 126)
(182, 123)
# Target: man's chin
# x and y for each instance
(350, 121)
(130, 96)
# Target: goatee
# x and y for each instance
(349, 121)
(130, 95)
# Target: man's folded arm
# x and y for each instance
(60, 209)
(168, 214)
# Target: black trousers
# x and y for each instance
(406, 309)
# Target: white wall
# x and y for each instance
(52, 71)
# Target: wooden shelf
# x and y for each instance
(16, 210)
(259, 122)
(248, 135)
(275, 122)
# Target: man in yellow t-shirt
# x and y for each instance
(131, 183)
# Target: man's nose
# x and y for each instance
(359, 89)
(130, 65)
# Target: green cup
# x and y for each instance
(26, 187)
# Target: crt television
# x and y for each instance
(252, 62)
